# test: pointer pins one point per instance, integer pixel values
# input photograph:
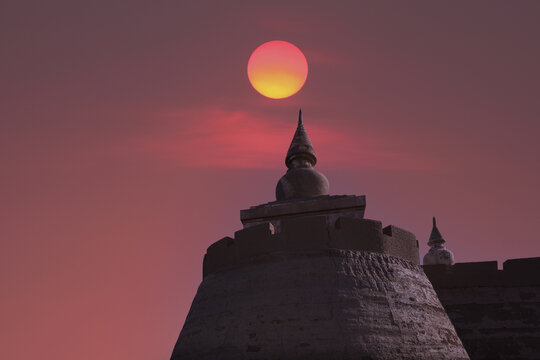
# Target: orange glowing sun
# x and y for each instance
(277, 69)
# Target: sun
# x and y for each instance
(277, 69)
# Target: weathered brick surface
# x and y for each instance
(318, 304)
(495, 322)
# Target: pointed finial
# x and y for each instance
(435, 237)
(301, 148)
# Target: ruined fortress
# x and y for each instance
(308, 277)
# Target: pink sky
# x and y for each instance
(130, 138)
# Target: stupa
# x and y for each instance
(438, 254)
(308, 277)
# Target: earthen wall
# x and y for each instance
(496, 313)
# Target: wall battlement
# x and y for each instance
(515, 272)
(316, 232)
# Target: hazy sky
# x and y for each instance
(130, 138)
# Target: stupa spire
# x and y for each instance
(301, 152)
(435, 237)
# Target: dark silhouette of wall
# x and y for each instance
(496, 313)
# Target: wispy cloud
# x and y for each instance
(320, 57)
(240, 139)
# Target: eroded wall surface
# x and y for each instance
(318, 304)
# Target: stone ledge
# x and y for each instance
(327, 204)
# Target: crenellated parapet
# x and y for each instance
(309, 232)
(515, 272)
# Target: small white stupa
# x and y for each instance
(437, 253)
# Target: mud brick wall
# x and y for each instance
(496, 313)
(318, 304)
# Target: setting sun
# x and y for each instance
(277, 69)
